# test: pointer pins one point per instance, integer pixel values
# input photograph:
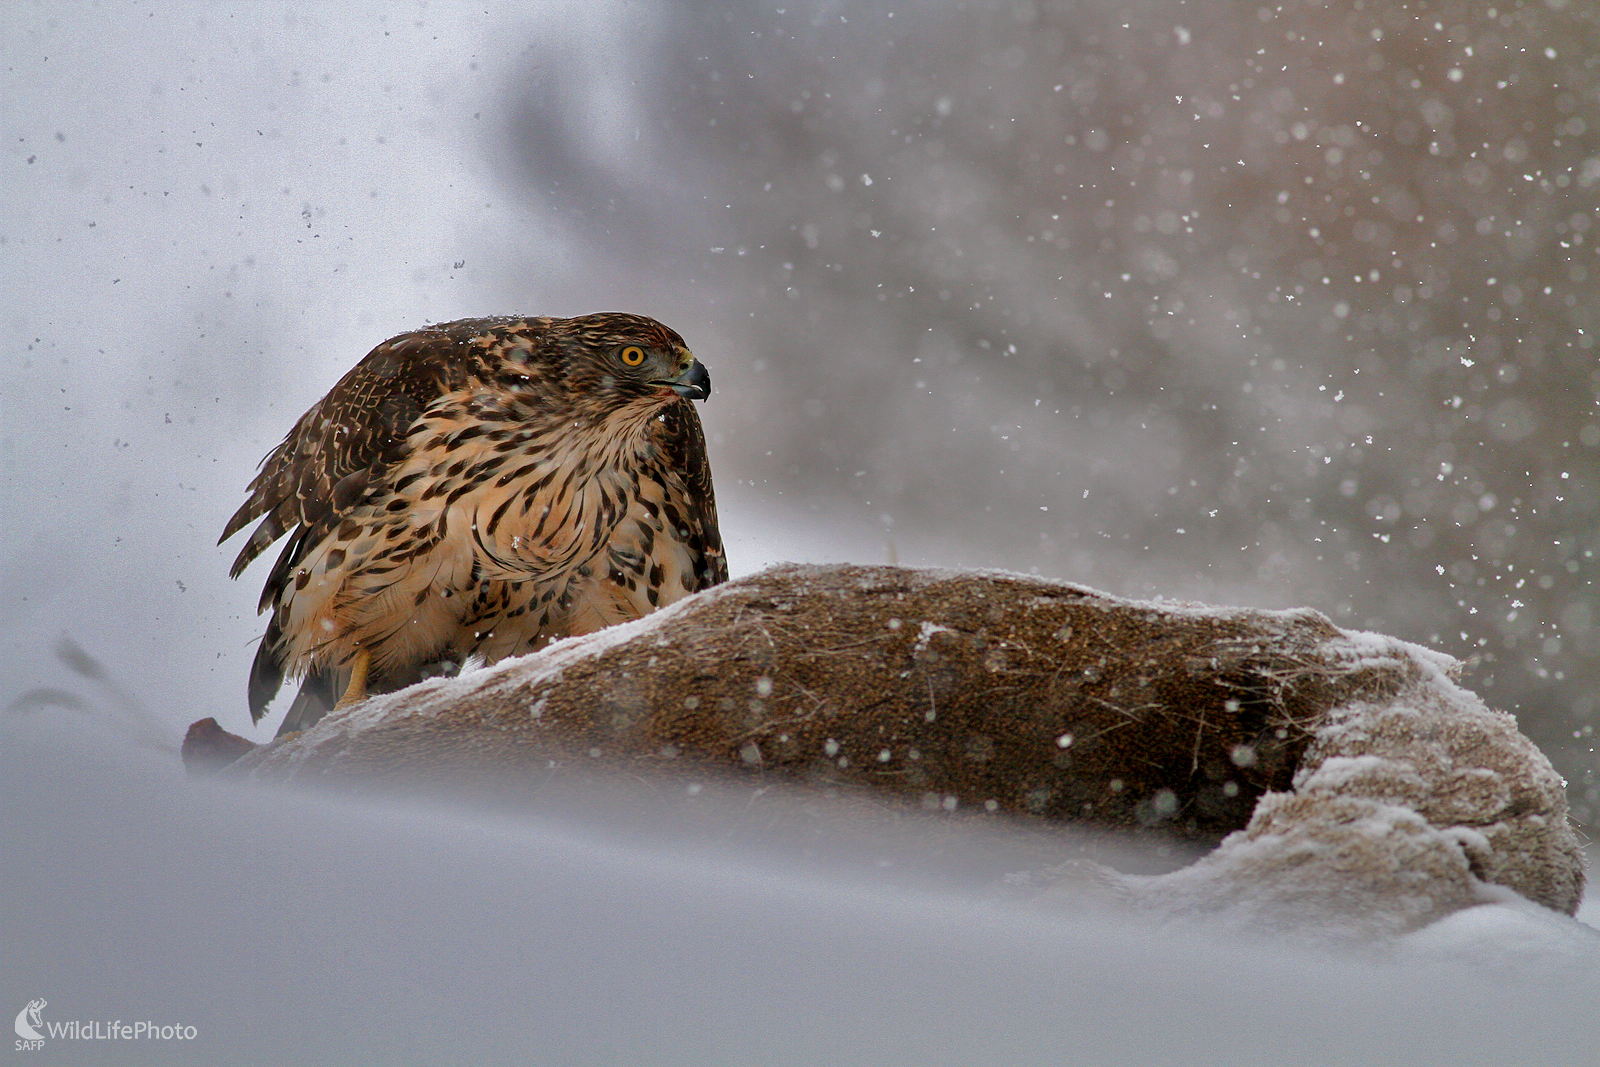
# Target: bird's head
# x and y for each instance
(627, 360)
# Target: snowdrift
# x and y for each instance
(1349, 785)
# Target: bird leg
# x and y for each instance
(356, 691)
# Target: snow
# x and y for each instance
(295, 926)
(925, 632)
(1338, 772)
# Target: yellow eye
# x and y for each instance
(633, 355)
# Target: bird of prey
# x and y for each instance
(479, 488)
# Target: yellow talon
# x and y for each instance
(356, 691)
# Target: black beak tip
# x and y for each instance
(694, 383)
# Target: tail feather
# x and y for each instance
(266, 673)
(323, 686)
(318, 694)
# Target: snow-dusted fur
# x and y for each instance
(1350, 785)
(1403, 809)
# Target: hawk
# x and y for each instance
(479, 488)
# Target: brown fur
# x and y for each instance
(1363, 781)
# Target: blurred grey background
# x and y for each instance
(1272, 305)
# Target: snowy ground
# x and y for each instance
(288, 926)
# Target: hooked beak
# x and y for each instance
(694, 383)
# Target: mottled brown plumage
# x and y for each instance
(480, 488)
